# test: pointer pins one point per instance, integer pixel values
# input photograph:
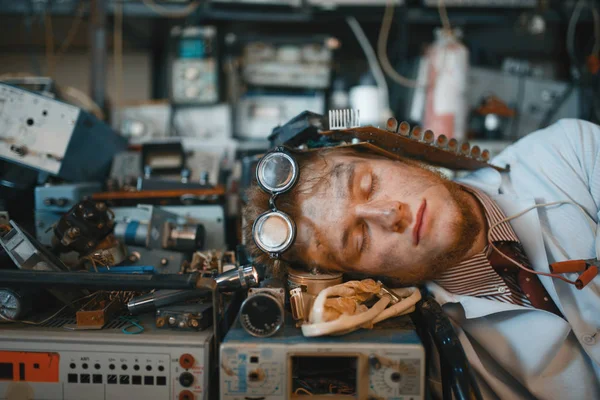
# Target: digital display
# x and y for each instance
(191, 48)
(334, 376)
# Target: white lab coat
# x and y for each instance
(519, 352)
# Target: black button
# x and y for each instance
(136, 367)
(136, 379)
(111, 379)
(186, 379)
(72, 378)
(161, 380)
(84, 366)
(254, 360)
(72, 365)
(124, 367)
(97, 366)
(124, 379)
(148, 367)
(111, 366)
(84, 378)
(161, 368)
(97, 378)
(148, 380)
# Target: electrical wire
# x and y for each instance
(491, 244)
(118, 53)
(371, 57)
(444, 16)
(68, 94)
(66, 43)
(81, 99)
(382, 41)
(302, 390)
(165, 12)
(50, 317)
(33, 55)
(596, 19)
(133, 323)
(50, 61)
(571, 28)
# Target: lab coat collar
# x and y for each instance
(485, 179)
(474, 307)
(528, 230)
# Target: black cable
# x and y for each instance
(520, 96)
(28, 22)
(456, 371)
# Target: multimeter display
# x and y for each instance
(192, 48)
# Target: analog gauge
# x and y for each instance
(395, 379)
(261, 314)
(11, 304)
(191, 73)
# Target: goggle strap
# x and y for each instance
(272, 205)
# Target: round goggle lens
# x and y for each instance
(273, 232)
(276, 172)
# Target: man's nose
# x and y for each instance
(388, 214)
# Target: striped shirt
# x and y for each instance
(476, 276)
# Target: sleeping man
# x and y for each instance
(526, 335)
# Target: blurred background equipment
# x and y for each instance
(258, 112)
(195, 68)
(282, 76)
(143, 122)
(165, 237)
(535, 102)
(447, 61)
(52, 201)
(54, 137)
(301, 62)
(83, 227)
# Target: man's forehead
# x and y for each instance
(322, 211)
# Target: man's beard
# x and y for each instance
(466, 229)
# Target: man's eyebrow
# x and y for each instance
(345, 190)
(339, 172)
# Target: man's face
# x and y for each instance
(384, 217)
